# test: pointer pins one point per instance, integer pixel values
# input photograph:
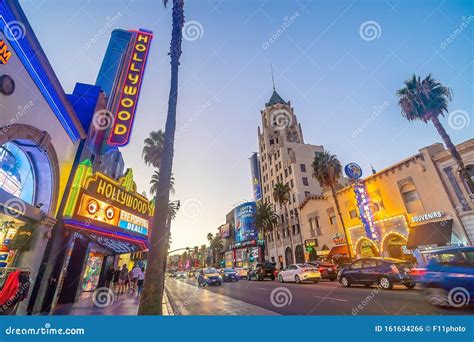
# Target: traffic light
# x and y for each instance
(222, 263)
(251, 257)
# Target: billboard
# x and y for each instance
(129, 88)
(245, 228)
(256, 181)
(225, 230)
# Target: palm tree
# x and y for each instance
(281, 195)
(427, 100)
(265, 220)
(152, 296)
(216, 245)
(155, 177)
(327, 170)
(210, 237)
(153, 148)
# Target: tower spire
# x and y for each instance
(273, 78)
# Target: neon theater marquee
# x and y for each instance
(110, 212)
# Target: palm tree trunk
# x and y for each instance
(152, 296)
(454, 152)
(291, 239)
(338, 209)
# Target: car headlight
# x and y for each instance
(220, 278)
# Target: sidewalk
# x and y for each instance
(118, 305)
(187, 299)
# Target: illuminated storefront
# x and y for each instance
(392, 213)
(107, 217)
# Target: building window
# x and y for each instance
(286, 173)
(303, 167)
(291, 183)
(411, 198)
(470, 171)
(289, 150)
(305, 181)
(294, 197)
(289, 170)
(272, 141)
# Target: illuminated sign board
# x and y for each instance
(255, 171)
(129, 88)
(107, 207)
(427, 217)
(244, 218)
(366, 214)
(5, 53)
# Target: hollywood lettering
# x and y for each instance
(118, 195)
(5, 54)
(130, 89)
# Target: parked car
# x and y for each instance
(209, 276)
(229, 274)
(299, 273)
(181, 275)
(328, 270)
(262, 271)
(241, 272)
(382, 271)
(448, 278)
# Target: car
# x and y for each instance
(448, 278)
(241, 272)
(261, 271)
(209, 276)
(298, 273)
(181, 275)
(328, 270)
(229, 274)
(384, 272)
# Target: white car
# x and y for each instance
(298, 273)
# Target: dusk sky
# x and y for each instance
(338, 62)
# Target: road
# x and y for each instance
(328, 298)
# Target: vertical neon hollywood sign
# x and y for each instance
(366, 214)
(130, 89)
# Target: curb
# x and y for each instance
(167, 307)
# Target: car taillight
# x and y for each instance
(394, 269)
(304, 270)
(320, 269)
(418, 271)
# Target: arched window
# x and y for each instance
(411, 198)
(16, 173)
(470, 171)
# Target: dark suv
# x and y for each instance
(262, 271)
(327, 270)
(382, 271)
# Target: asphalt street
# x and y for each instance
(329, 298)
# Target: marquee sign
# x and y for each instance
(108, 207)
(427, 217)
(5, 53)
(366, 214)
(129, 88)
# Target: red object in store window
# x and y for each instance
(10, 288)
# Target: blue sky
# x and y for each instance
(340, 79)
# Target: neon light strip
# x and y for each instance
(76, 224)
(68, 126)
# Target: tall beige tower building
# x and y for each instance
(285, 158)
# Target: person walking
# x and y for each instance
(123, 279)
(109, 276)
(134, 274)
(141, 279)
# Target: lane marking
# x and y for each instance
(261, 288)
(330, 298)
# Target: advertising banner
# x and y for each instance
(256, 181)
(225, 231)
(245, 228)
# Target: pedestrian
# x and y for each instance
(123, 279)
(141, 279)
(109, 276)
(134, 273)
(115, 279)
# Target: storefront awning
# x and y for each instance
(432, 233)
(338, 250)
